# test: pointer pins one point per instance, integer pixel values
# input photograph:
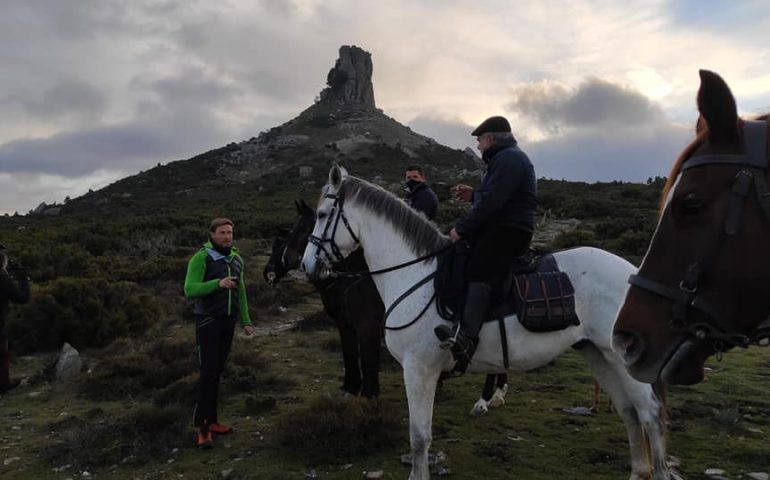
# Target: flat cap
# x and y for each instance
(492, 125)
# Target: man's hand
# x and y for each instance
(248, 330)
(228, 283)
(462, 192)
(454, 235)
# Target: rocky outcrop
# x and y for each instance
(350, 81)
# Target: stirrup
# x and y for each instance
(447, 335)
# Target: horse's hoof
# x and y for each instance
(480, 408)
(498, 398)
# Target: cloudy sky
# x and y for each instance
(94, 90)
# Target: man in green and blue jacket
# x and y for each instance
(215, 282)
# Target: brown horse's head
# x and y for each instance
(286, 253)
(704, 285)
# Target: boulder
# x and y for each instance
(68, 364)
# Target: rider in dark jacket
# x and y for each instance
(14, 287)
(498, 228)
(420, 196)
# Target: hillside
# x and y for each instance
(108, 267)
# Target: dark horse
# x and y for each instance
(704, 285)
(355, 305)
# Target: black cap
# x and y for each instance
(492, 125)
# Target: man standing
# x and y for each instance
(215, 282)
(14, 287)
(420, 196)
(498, 228)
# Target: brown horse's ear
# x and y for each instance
(298, 206)
(717, 106)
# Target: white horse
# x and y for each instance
(352, 212)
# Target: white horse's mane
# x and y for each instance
(422, 235)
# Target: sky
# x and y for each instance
(92, 91)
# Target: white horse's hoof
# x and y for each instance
(498, 398)
(480, 408)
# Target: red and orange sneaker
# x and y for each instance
(205, 439)
(220, 429)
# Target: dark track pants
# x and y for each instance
(214, 336)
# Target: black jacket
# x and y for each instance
(507, 195)
(424, 200)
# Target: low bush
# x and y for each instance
(336, 429)
(145, 433)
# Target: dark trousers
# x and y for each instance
(214, 336)
(493, 253)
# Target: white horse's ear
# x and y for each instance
(336, 174)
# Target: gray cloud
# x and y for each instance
(69, 99)
(126, 147)
(595, 102)
(452, 133)
(605, 156)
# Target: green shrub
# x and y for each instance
(84, 312)
(574, 238)
(336, 429)
(143, 434)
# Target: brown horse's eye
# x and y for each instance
(692, 207)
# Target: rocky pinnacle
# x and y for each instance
(350, 81)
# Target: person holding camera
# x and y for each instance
(14, 287)
(215, 283)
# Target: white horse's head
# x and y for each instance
(333, 236)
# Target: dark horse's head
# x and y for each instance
(704, 285)
(287, 253)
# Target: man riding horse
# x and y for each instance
(498, 229)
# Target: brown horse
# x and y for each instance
(704, 285)
(353, 303)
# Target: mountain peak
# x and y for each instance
(350, 80)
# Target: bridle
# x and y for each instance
(332, 222)
(328, 258)
(686, 298)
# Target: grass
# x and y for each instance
(129, 418)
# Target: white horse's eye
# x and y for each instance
(321, 216)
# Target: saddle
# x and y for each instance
(541, 296)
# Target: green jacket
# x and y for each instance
(204, 271)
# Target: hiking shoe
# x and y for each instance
(205, 439)
(219, 429)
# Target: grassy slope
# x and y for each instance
(711, 427)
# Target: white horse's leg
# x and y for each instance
(640, 410)
(420, 383)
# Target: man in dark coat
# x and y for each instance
(498, 228)
(420, 196)
(14, 287)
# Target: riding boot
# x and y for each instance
(463, 341)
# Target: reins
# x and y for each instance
(325, 257)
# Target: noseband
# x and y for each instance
(686, 298)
